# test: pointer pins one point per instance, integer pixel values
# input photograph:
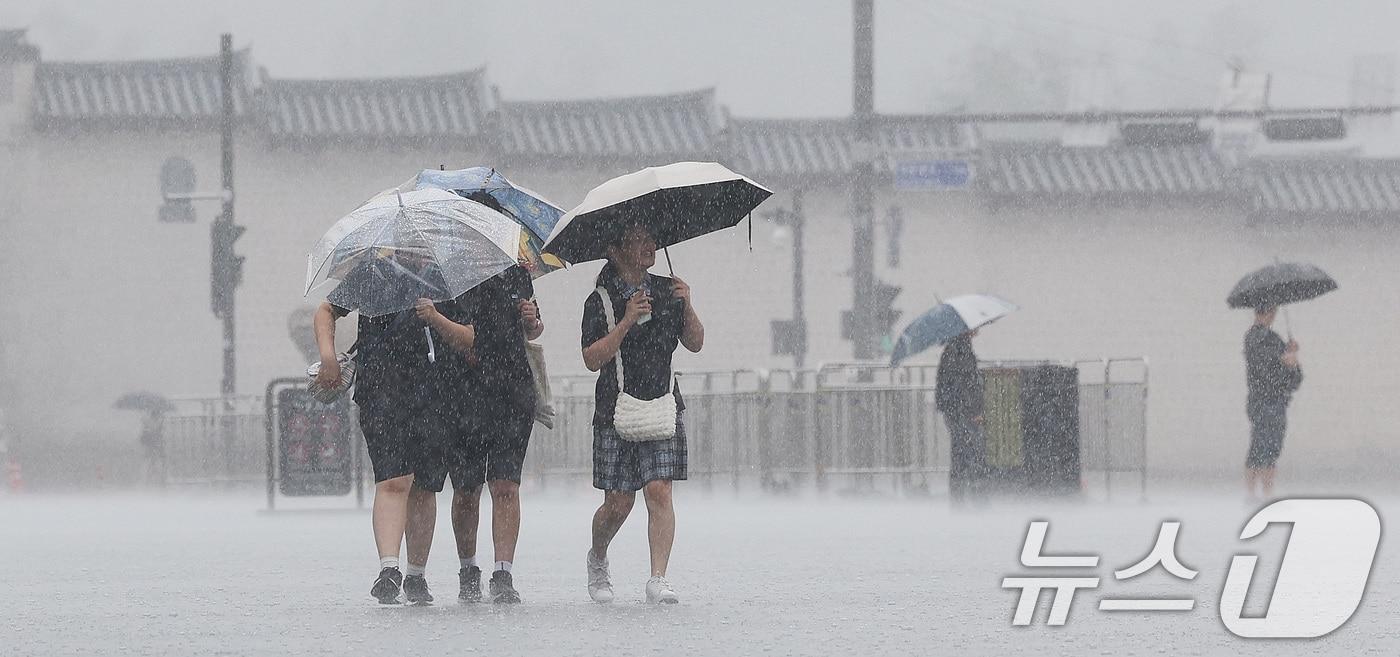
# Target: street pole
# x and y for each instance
(862, 183)
(228, 385)
(799, 304)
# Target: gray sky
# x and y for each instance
(767, 58)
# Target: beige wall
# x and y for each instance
(99, 298)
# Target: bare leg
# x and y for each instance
(608, 519)
(390, 514)
(422, 521)
(661, 525)
(1268, 480)
(466, 517)
(505, 518)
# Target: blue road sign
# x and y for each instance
(933, 174)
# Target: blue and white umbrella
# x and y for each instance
(528, 208)
(948, 320)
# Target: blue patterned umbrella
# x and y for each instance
(531, 210)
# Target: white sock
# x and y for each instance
(388, 562)
(416, 570)
(469, 562)
(503, 565)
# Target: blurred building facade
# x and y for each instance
(1123, 245)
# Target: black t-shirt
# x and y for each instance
(392, 358)
(491, 308)
(1270, 381)
(647, 348)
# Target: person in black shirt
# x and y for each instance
(393, 386)
(958, 394)
(1273, 374)
(652, 315)
(492, 410)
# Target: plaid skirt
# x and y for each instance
(627, 466)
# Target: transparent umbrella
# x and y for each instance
(402, 246)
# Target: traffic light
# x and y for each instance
(226, 268)
(885, 316)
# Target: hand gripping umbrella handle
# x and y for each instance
(432, 354)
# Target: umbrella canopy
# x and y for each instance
(948, 320)
(675, 202)
(1279, 284)
(399, 247)
(531, 210)
(144, 401)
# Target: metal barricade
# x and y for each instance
(214, 440)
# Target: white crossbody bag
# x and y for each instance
(639, 420)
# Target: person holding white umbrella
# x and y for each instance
(959, 387)
(632, 324)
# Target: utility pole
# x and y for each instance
(860, 324)
(231, 230)
(799, 304)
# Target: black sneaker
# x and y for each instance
(415, 590)
(503, 588)
(470, 580)
(386, 588)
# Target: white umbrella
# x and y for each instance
(675, 202)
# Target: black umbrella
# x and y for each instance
(675, 202)
(1280, 283)
(144, 401)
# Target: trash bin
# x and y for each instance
(1031, 429)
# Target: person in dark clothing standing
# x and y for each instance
(1273, 374)
(958, 393)
(493, 411)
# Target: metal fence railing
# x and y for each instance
(840, 426)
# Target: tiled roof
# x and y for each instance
(1111, 170)
(1326, 186)
(454, 105)
(822, 147)
(172, 90)
(671, 125)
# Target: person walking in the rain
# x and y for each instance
(392, 383)
(492, 412)
(958, 393)
(1273, 375)
(644, 319)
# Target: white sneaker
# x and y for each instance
(659, 591)
(599, 588)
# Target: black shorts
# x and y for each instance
(1266, 429)
(495, 437)
(399, 439)
(485, 439)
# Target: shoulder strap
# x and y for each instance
(612, 324)
(606, 300)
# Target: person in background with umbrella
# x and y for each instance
(153, 409)
(958, 391)
(653, 315)
(1272, 372)
(1273, 375)
(958, 394)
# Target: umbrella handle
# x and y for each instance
(1287, 323)
(667, 251)
(432, 353)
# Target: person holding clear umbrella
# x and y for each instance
(385, 259)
